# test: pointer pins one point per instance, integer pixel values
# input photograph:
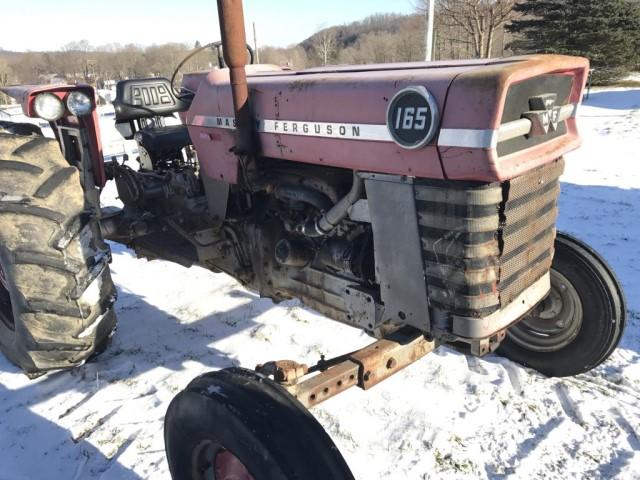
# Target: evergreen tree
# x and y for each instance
(605, 31)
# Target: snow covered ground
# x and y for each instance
(448, 416)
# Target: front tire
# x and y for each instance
(56, 293)
(580, 323)
(237, 424)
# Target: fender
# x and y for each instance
(88, 126)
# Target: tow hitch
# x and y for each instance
(363, 368)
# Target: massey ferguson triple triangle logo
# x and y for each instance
(544, 114)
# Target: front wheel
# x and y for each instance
(56, 293)
(235, 424)
(581, 321)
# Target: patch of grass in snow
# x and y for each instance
(446, 462)
(190, 330)
(260, 333)
(112, 436)
(231, 321)
(143, 445)
(292, 312)
(127, 351)
(335, 429)
(595, 459)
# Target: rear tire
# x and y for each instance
(259, 429)
(581, 322)
(54, 261)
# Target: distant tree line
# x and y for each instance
(605, 31)
(81, 62)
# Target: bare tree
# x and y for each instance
(6, 77)
(74, 60)
(479, 19)
(325, 45)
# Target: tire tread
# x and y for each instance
(55, 210)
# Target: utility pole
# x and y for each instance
(431, 13)
(255, 43)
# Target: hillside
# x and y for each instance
(376, 39)
(350, 34)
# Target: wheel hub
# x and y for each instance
(555, 322)
(214, 462)
(6, 310)
(229, 467)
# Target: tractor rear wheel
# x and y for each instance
(235, 424)
(581, 321)
(56, 293)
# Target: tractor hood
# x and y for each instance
(465, 120)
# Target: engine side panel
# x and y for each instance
(333, 119)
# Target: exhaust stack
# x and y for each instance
(234, 45)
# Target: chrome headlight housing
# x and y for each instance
(79, 104)
(48, 107)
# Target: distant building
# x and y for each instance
(52, 78)
(106, 92)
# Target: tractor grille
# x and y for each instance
(483, 244)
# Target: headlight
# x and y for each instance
(79, 104)
(49, 107)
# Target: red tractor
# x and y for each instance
(416, 201)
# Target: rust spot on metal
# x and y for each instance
(300, 85)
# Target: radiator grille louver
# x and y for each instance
(483, 244)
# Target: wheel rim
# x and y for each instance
(214, 462)
(6, 310)
(555, 322)
(229, 467)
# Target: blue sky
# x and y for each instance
(49, 24)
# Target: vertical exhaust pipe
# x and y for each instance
(234, 45)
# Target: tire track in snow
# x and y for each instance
(569, 406)
(84, 432)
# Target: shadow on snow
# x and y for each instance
(614, 99)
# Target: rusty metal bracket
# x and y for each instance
(484, 346)
(385, 357)
(364, 368)
(286, 372)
